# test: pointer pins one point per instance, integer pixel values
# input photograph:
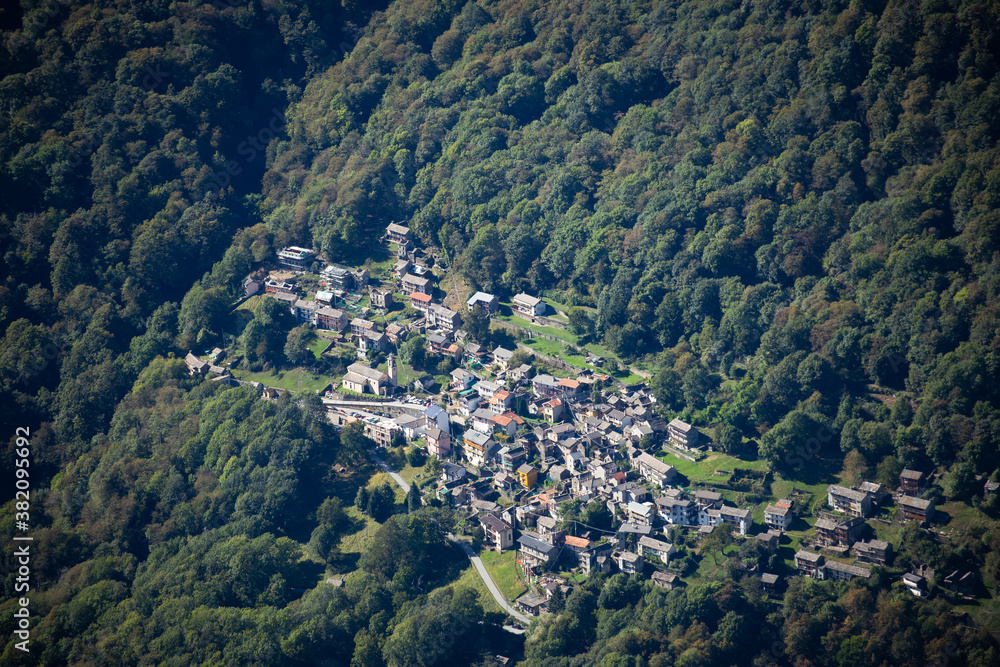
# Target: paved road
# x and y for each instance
(392, 473)
(375, 457)
(477, 562)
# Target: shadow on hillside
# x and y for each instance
(814, 471)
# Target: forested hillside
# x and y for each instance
(797, 197)
(788, 211)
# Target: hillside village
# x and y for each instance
(521, 451)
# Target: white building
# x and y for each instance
(528, 305)
(779, 516)
(362, 379)
(499, 534)
(653, 547)
(296, 257)
(739, 519)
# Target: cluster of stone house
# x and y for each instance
(587, 451)
(701, 508)
(594, 447)
(842, 530)
(862, 500)
(816, 566)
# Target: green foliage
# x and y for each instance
(444, 627)
(331, 513)
(476, 324)
(415, 457)
(354, 442)
(398, 440)
(361, 498)
(296, 348)
(717, 541)
(407, 547)
(580, 322)
(380, 503)
(413, 501)
(413, 351)
(264, 339)
(784, 446)
(789, 213)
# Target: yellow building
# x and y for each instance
(528, 476)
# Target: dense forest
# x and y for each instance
(790, 210)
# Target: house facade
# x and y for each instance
(681, 434)
(654, 470)
(380, 298)
(443, 318)
(810, 564)
(477, 447)
(876, 552)
(778, 516)
(438, 442)
(487, 302)
(528, 305)
(295, 257)
(396, 233)
(651, 547)
(412, 283)
(498, 533)
(849, 501)
(916, 509)
(535, 553)
(364, 380)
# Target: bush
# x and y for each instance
(415, 457)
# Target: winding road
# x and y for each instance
(477, 562)
(392, 473)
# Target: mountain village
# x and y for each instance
(517, 446)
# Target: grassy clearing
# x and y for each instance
(405, 373)
(556, 349)
(503, 569)
(470, 579)
(409, 473)
(355, 542)
(800, 529)
(292, 380)
(704, 470)
(251, 303)
(565, 306)
(562, 334)
(985, 612)
(317, 346)
(707, 566)
(383, 478)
